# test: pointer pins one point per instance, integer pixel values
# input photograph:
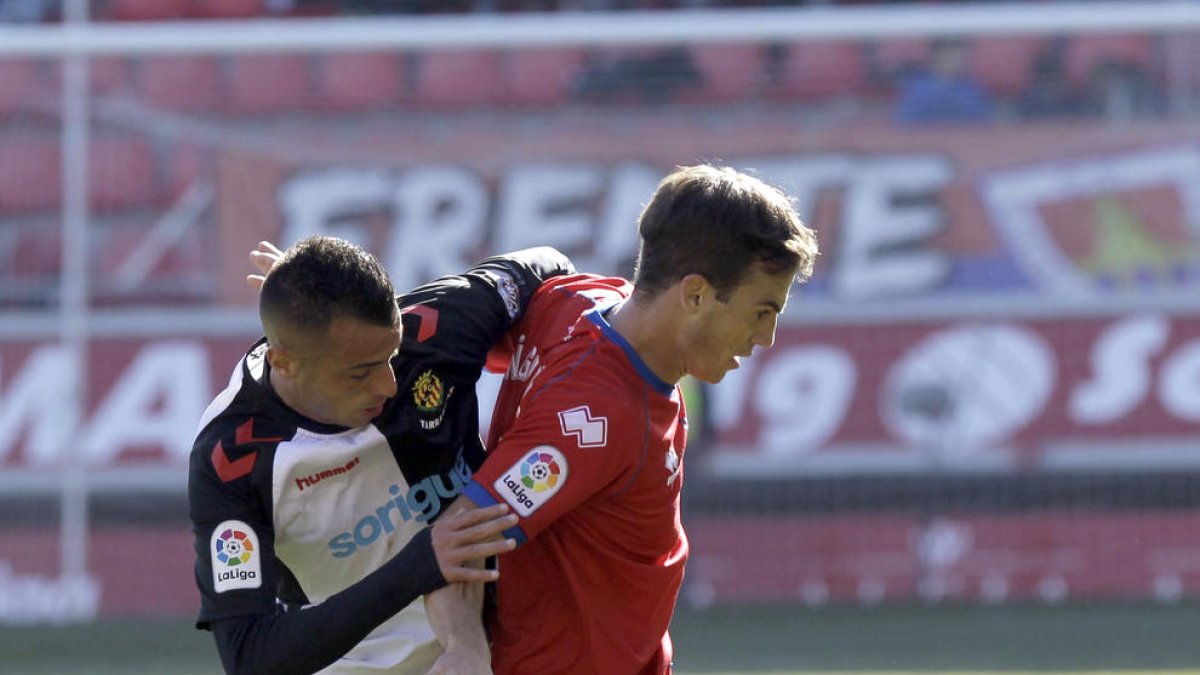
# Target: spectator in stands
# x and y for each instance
(1121, 91)
(652, 75)
(943, 91)
(25, 11)
(1050, 93)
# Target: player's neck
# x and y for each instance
(649, 330)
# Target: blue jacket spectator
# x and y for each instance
(943, 91)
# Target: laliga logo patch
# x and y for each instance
(235, 557)
(532, 481)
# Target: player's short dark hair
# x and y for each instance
(321, 278)
(718, 222)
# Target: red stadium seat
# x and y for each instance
(1086, 52)
(30, 175)
(107, 74)
(728, 72)
(1003, 65)
(37, 253)
(121, 174)
(359, 81)
(20, 84)
(822, 70)
(147, 10)
(185, 164)
(540, 76)
(226, 9)
(268, 83)
(457, 78)
(189, 83)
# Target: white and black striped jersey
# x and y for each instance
(289, 513)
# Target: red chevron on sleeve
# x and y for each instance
(245, 434)
(429, 320)
(229, 471)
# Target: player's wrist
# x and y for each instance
(466, 640)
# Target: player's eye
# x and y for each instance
(360, 376)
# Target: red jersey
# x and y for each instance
(586, 445)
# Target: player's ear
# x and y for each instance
(694, 292)
(282, 361)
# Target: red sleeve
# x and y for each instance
(560, 452)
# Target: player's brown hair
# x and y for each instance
(718, 222)
(320, 278)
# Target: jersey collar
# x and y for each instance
(598, 316)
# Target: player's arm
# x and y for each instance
(309, 639)
(463, 316)
(456, 614)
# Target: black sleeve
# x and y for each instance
(307, 640)
(458, 318)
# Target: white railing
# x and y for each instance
(627, 28)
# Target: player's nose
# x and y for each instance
(384, 383)
(765, 335)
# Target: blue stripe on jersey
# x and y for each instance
(596, 316)
(482, 498)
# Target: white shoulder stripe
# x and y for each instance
(223, 399)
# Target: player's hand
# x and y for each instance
(263, 258)
(462, 661)
(470, 535)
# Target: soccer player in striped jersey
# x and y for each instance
(320, 476)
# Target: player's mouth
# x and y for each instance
(736, 360)
(374, 412)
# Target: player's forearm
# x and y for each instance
(307, 640)
(456, 615)
(456, 611)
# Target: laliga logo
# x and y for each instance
(532, 481)
(540, 472)
(234, 564)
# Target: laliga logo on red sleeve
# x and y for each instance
(533, 480)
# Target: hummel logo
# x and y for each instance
(590, 432)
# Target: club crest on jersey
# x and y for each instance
(533, 480)
(428, 392)
(589, 431)
(429, 395)
(236, 560)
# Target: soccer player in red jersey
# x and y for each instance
(587, 440)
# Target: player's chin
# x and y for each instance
(712, 377)
(360, 417)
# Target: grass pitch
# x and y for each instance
(1122, 639)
